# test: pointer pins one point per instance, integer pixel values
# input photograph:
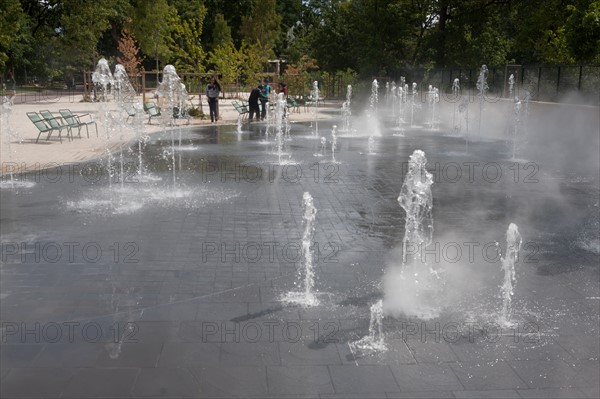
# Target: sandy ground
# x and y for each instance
(20, 153)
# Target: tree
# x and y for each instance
(221, 33)
(262, 25)
(186, 47)
(539, 34)
(81, 26)
(255, 56)
(152, 24)
(228, 61)
(582, 31)
(129, 53)
(14, 34)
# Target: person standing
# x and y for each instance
(283, 89)
(253, 103)
(213, 90)
(264, 98)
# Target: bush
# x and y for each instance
(196, 113)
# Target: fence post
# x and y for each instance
(539, 81)
(557, 80)
(579, 80)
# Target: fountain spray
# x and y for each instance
(347, 110)
(511, 83)
(463, 108)
(279, 110)
(417, 201)
(173, 91)
(375, 341)
(306, 276)
(455, 94)
(102, 79)
(371, 145)
(516, 122)
(374, 99)
(482, 86)
(333, 142)
(413, 103)
(413, 287)
(315, 98)
(513, 246)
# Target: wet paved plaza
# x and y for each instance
(169, 284)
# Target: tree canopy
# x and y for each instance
(52, 39)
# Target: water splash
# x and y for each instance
(239, 124)
(374, 99)
(482, 87)
(102, 79)
(511, 83)
(413, 104)
(122, 90)
(516, 123)
(400, 95)
(174, 94)
(455, 94)
(413, 287)
(333, 142)
(375, 341)
(433, 97)
(306, 275)
(347, 110)
(417, 201)
(463, 110)
(513, 246)
(279, 111)
(323, 149)
(8, 134)
(371, 145)
(393, 95)
(315, 98)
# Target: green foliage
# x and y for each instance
(583, 31)
(14, 35)
(53, 39)
(82, 24)
(221, 34)
(153, 22)
(227, 61)
(255, 57)
(262, 25)
(186, 47)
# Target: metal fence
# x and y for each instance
(558, 83)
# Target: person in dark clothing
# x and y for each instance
(253, 104)
(264, 98)
(213, 90)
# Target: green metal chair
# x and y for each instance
(131, 112)
(56, 123)
(241, 108)
(152, 110)
(75, 121)
(42, 126)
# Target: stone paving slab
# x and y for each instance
(194, 315)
